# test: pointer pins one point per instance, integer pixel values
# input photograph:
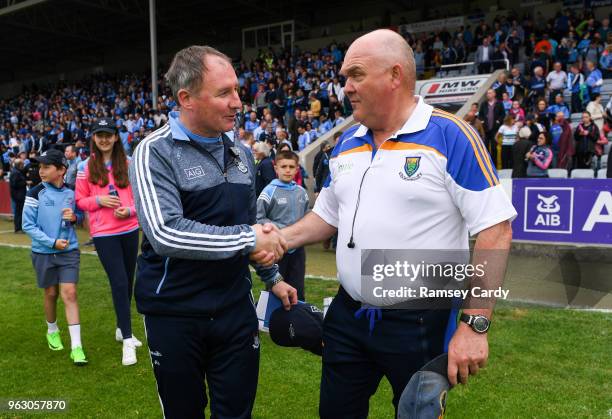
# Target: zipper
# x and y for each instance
(164, 276)
(295, 201)
(251, 296)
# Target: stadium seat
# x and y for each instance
(601, 173)
(604, 161)
(504, 173)
(557, 173)
(583, 174)
(575, 117)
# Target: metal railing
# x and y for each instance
(447, 68)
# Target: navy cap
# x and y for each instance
(104, 125)
(302, 326)
(424, 397)
(53, 156)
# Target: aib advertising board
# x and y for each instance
(563, 210)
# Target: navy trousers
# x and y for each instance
(118, 257)
(355, 360)
(221, 350)
(293, 269)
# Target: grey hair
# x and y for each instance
(261, 147)
(188, 68)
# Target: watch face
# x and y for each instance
(481, 324)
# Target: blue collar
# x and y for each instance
(180, 131)
(279, 183)
(52, 186)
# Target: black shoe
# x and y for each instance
(89, 243)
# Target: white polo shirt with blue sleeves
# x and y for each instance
(429, 186)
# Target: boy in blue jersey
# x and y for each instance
(48, 218)
(283, 203)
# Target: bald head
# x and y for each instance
(388, 48)
(380, 80)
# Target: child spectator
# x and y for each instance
(104, 191)
(517, 112)
(506, 102)
(283, 203)
(48, 218)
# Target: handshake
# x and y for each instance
(270, 245)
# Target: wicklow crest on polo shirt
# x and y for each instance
(411, 167)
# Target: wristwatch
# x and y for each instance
(478, 323)
(273, 282)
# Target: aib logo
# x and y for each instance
(549, 210)
(548, 207)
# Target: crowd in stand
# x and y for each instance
(511, 113)
(569, 38)
(293, 98)
(567, 56)
(288, 98)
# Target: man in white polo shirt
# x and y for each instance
(408, 176)
(557, 82)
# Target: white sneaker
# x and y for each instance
(119, 338)
(129, 353)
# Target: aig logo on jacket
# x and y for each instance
(194, 172)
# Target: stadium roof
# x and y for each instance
(39, 33)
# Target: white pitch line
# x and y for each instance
(549, 304)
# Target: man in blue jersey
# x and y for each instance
(408, 176)
(194, 189)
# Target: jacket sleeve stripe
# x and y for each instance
(153, 215)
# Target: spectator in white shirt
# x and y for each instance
(556, 81)
(596, 110)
